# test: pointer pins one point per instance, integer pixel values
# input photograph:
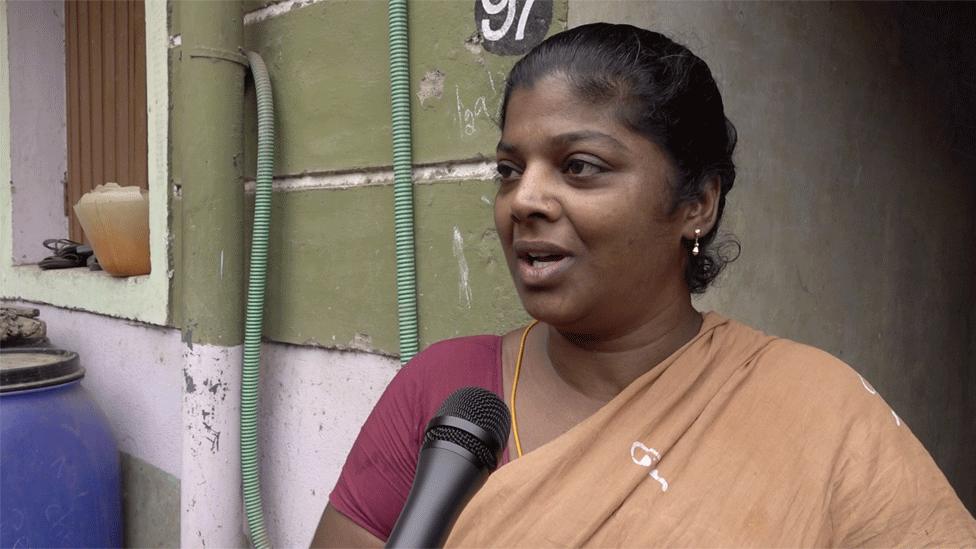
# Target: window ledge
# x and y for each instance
(141, 298)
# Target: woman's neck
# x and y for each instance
(600, 367)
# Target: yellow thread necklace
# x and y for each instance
(518, 369)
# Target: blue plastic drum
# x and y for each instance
(59, 463)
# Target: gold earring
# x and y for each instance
(694, 250)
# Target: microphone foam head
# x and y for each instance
(484, 409)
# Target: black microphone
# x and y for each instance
(462, 445)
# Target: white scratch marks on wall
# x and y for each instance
(464, 289)
(175, 40)
(473, 44)
(275, 10)
(467, 118)
(460, 117)
(431, 86)
(461, 171)
(210, 494)
(221, 264)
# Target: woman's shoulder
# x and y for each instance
(450, 364)
(803, 374)
(804, 365)
(884, 487)
(475, 346)
(479, 352)
(797, 363)
(807, 363)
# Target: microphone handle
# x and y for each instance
(447, 476)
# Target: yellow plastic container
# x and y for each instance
(116, 222)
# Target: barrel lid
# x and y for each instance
(22, 369)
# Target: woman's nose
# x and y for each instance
(535, 197)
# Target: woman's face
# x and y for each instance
(584, 215)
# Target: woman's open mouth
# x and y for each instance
(540, 268)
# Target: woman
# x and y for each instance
(641, 421)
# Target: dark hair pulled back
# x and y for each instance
(662, 91)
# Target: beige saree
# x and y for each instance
(737, 439)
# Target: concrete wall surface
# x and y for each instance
(313, 402)
(134, 373)
(150, 503)
(38, 147)
(854, 196)
(332, 282)
(329, 66)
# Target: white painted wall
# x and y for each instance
(38, 147)
(313, 402)
(211, 502)
(134, 372)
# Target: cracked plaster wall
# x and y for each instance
(313, 402)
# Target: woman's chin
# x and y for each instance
(554, 312)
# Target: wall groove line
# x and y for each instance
(434, 173)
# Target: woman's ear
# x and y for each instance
(702, 212)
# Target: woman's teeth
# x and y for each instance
(538, 261)
(542, 269)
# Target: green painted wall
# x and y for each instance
(329, 68)
(209, 139)
(332, 262)
(332, 267)
(175, 182)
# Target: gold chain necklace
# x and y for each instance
(518, 369)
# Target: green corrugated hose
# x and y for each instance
(257, 275)
(257, 278)
(406, 275)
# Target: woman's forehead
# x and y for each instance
(551, 110)
(556, 98)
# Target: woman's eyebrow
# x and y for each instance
(587, 135)
(505, 147)
(565, 139)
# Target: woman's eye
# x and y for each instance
(505, 171)
(583, 168)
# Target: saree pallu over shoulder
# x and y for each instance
(736, 439)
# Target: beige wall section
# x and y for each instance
(151, 503)
(142, 298)
(854, 213)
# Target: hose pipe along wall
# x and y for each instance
(254, 313)
(406, 270)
